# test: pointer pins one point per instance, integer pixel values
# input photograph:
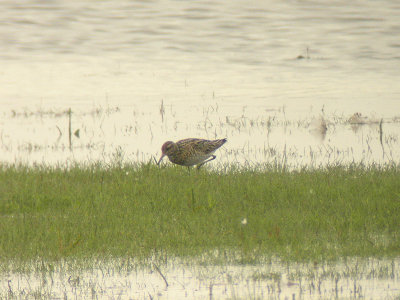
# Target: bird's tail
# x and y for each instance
(220, 142)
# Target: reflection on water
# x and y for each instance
(254, 136)
(357, 278)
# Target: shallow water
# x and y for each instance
(220, 69)
(349, 279)
(126, 135)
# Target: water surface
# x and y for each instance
(348, 279)
(293, 61)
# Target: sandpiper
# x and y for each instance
(190, 152)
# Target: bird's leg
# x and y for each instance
(206, 161)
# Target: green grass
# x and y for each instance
(142, 210)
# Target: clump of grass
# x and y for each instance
(138, 210)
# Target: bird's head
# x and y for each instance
(165, 150)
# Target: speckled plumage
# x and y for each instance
(190, 152)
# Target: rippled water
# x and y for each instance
(291, 61)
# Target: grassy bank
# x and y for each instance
(137, 211)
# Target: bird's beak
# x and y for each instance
(162, 156)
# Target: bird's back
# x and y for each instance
(193, 151)
(200, 145)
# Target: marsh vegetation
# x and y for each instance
(271, 136)
(141, 214)
(287, 208)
